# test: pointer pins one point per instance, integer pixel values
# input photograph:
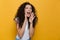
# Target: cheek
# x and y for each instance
(31, 10)
(26, 10)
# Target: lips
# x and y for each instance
(28, 12)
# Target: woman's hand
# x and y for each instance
(31, 17)
(31, 30)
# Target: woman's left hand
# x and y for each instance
(31, 17)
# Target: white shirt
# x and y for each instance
(26, 33)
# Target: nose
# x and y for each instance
(29, 10)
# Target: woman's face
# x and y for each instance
(28, 10)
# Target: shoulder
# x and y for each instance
(16, 19)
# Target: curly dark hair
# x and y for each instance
(21, 14)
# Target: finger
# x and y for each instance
(34, 16)
(32, 13)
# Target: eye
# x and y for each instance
(26, 7)
(30, 8)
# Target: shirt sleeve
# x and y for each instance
(17, 19)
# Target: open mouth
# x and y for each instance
(28, 12)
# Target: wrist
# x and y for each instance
(25, 19)
(31, 22)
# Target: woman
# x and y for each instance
(25, 20)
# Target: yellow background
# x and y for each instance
(48, 12)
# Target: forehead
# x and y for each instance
(28, 5)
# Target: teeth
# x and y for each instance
(28, 12)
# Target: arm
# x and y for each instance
(20, 30)
(31, 30)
